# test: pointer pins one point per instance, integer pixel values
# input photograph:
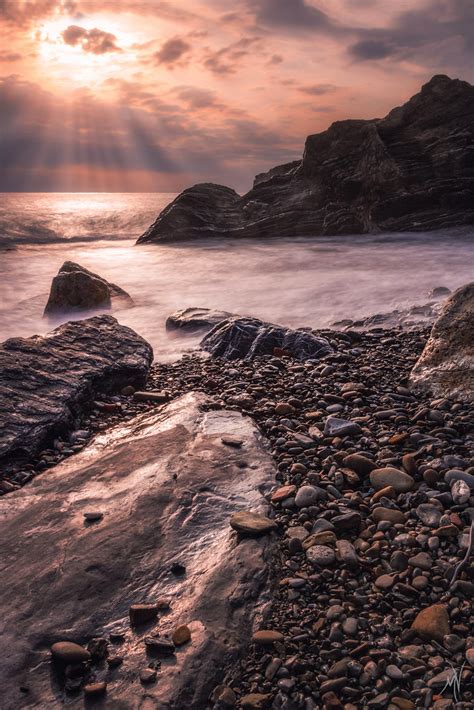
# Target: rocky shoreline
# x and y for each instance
(369, 593)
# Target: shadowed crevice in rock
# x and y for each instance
(45, 382)
(410, 171)
(167, 486)
(446, 365)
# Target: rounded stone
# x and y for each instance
(248, 523)
(432, 623)
(181, 635)
(307, 495)
(390, 514)
(320, 555)
(399, 480)
(267, 637)
(69, 653)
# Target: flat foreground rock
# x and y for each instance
(45, 381)
(446, 365)
(167, 487)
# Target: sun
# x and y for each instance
(78, 61)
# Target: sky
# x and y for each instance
(151, 95)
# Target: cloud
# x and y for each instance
(227, 59)
(10, 56)
(22, 13)
(197, 98)
(172, 51)
(95, 41)
(318, 89)
(291, 15)
(424, 33)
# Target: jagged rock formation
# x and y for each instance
(446, 366)
(238, 337)
(76, 288)
(412, 170)
(196, 319)
(164, 488)
(45, 382)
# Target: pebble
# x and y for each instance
(252, 524)
(142, 613)
(308, 495)
(341, 427)
(400, 481)
(148, 675)
(95, 689)
(68, 652)
(181, 635)
(320, 555)
(432, 623)
(267, 637)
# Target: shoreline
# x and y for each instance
(338, 632)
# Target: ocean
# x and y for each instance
(295, 282)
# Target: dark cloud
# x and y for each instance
(197, 98)
(291, 14)
(372, 49)
(10, 56)
(425, 33)
(318, 89)
(24, 12)
(227, 59)
(95, 41)
(172, 51)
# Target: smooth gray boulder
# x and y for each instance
(446, 365)
(196, 319)
(167, 487)
(238, 337)
(78, 289)
(45, 382)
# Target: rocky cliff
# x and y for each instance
(412, 170)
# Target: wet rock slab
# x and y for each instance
(46, 381)
(167, 487)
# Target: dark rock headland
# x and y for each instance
(410, 171)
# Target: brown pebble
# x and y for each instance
(266, 637)
(94, 689)
(181, 635)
